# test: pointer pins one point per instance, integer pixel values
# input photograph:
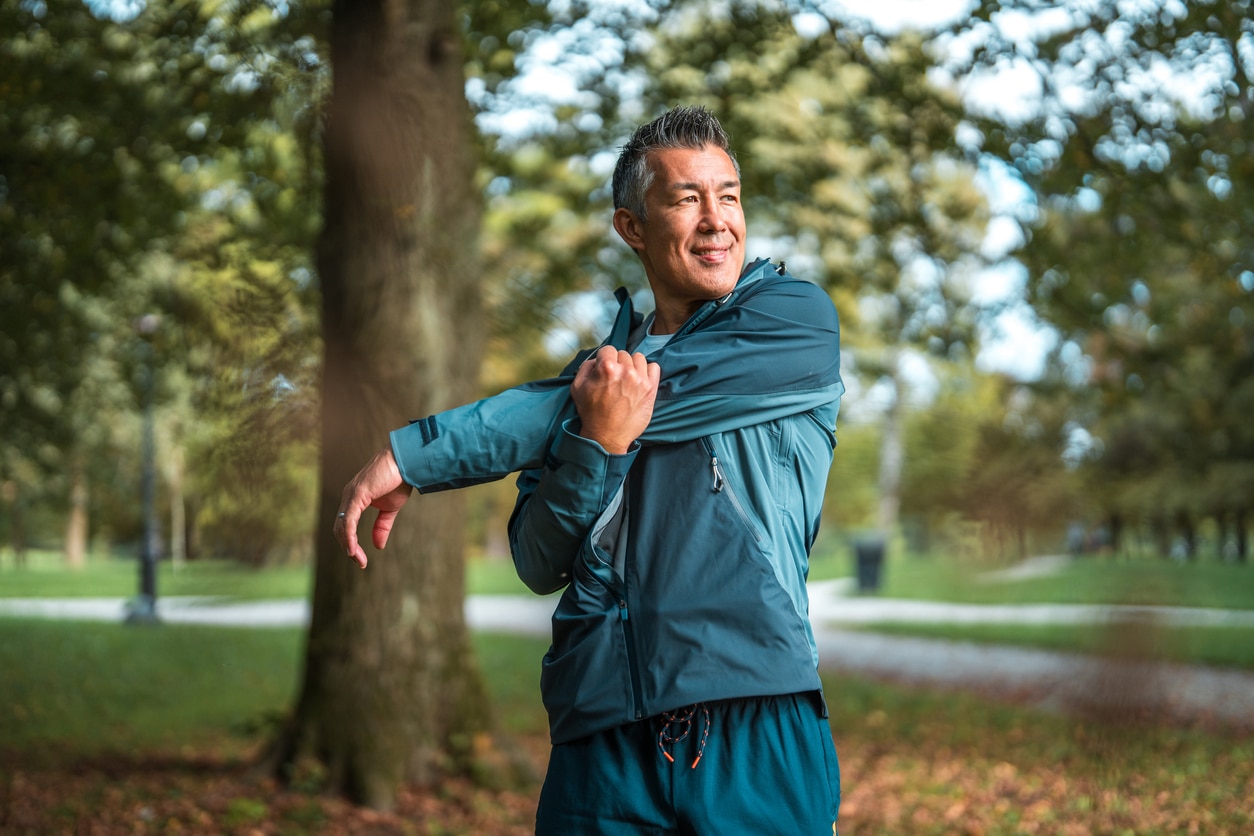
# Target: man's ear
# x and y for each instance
(629, 228)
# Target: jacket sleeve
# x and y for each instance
(557, 505)
(482, 441)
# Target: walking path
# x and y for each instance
(1062, 681)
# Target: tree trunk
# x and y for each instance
(76, 523)
(390, 692)
(892, 455)
(175, 477)
(1243, 543)
(12, 496)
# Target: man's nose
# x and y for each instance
(712, 219)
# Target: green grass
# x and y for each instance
(493, 576)
(1230, 647)
(46, 576)
(96, 688)
(111, 687)
(1096, 580)
(511, 666)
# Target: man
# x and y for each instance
(672, 482)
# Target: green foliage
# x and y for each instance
(1139, 248)
(851, 486)
(164, 166)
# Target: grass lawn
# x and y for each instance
(1225, 647)
(1092, 580)
(46, 576)
(145, 730)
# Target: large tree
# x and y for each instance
(390, 692)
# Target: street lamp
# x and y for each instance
(143, 608)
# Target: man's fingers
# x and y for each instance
(345, 530)
(378, 484)
(383, 527)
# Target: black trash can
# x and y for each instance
(869, 559)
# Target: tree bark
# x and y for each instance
(76, 522)
(175, 477)
(1243, 542)
(390, 693)
(892, 454)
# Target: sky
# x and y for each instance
(895, 15)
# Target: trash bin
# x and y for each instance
(869, 560)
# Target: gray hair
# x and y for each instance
(680, 127)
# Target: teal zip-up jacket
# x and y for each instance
(684, 560)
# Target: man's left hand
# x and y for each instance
(378, 484)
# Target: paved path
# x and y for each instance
(1062, 681)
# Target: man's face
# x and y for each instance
(692, 244)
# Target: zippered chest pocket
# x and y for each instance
(719, 484)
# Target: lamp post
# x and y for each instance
(143, 608)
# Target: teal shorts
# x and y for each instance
(763, 765)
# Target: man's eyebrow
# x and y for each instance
(696, 187)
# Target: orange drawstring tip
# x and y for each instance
(668, 757)
(694, 763)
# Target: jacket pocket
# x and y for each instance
(719, 484)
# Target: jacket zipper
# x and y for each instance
(631, 658)
(721, 485)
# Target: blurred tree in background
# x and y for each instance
(158, 165)
(1135, 140)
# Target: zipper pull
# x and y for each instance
(718, 475)
(622, 610)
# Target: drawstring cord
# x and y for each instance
(683, 717)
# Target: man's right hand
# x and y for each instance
(378, 484)
(614, 393)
